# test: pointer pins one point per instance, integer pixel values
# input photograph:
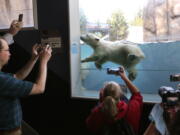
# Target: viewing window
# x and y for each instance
(153, 25)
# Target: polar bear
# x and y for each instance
(123, 53)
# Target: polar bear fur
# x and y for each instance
(123, 53)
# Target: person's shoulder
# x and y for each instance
(5, 77)
(136, 101)
(4, 74)
(157, 107)
(137, 95)
(97, 108)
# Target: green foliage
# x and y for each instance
(138, 20)
(118, 26)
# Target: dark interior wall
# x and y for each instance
(54, 112)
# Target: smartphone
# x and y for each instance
(20, 17)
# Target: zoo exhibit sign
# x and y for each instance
(54, 42)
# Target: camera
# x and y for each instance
(39, 49)
(113, 71)
(175, 78)
(170, 97)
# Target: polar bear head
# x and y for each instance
(90, 39)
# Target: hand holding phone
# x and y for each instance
(20, 18)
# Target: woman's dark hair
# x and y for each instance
(174, 128)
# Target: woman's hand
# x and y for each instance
(122, 73)
(35, 50)
(15, 27)
(45, 53)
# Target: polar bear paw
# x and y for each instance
(98, 66)
(132, 76)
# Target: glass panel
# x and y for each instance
(161, 58)
(10, 10)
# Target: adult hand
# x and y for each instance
(45, 54)
(15, 27)
(35, 50)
